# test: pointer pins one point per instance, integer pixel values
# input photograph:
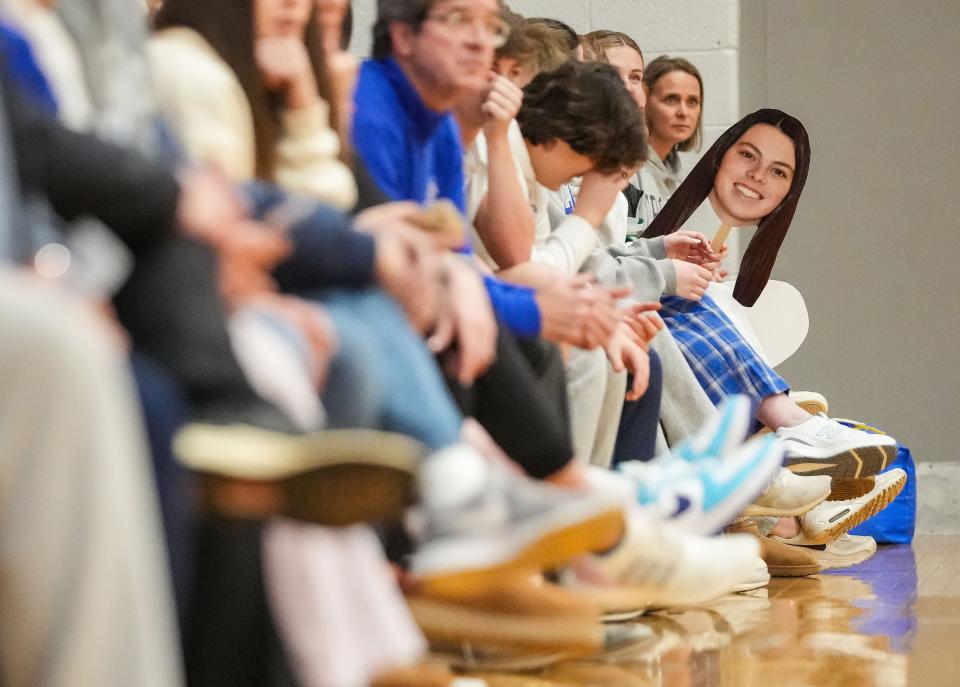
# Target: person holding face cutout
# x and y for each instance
(753, 176)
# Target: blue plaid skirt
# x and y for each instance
(723, 362)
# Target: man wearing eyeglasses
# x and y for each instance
(427, 55)
(432, 53)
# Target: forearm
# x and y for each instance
(531, 274)
(648, 279)
(568, 246)
(652, 248)
(505, 221)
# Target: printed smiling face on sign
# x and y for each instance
(755, 175)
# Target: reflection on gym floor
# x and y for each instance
(888, 622)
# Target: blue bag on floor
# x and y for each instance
(895, 523)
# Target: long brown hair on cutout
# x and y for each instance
(761, 253)
(227, 25)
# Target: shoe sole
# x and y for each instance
(794, 570)
(617, 604)
(448, 623)
(847, 489)
(753, 510)
(623, 616)
(525, 663)
(521, 663)
(245, 452)
(830, 561)
(334, 478)
(810, 401)
(750, 586)
(341, 495)
(854, 463)
(551, 550)
(871, 508)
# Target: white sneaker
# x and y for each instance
(822, 446)
(790, 495)
(678, 569)
(844, 551)
(758, 578)
(830, 519)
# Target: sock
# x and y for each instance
(453, 476)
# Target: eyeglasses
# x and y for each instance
(461, 23)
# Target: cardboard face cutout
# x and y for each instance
(754, 176)
(761, 253)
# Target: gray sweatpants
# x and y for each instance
(85, 599)
(595, 397)
(684, 405)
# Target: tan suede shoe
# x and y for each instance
(782, 560)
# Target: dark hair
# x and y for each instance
(411, 12)
(762, 251)
(587, 106)
(228, 26)
(569, 35)
(662, 66)
(596, 44)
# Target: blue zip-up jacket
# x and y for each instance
(414, 153)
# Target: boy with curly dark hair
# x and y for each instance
(586, 106)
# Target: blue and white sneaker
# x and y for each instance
(704, 496)
(722, 434)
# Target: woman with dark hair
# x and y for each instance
(244, 84)
(754, 175)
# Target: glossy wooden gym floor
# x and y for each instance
(892, 621)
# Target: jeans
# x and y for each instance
(383, 376)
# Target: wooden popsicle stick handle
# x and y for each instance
(720, 238)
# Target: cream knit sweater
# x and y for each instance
(201, 98)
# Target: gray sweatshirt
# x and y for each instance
(641, 264)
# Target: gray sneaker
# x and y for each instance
(512, 523)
